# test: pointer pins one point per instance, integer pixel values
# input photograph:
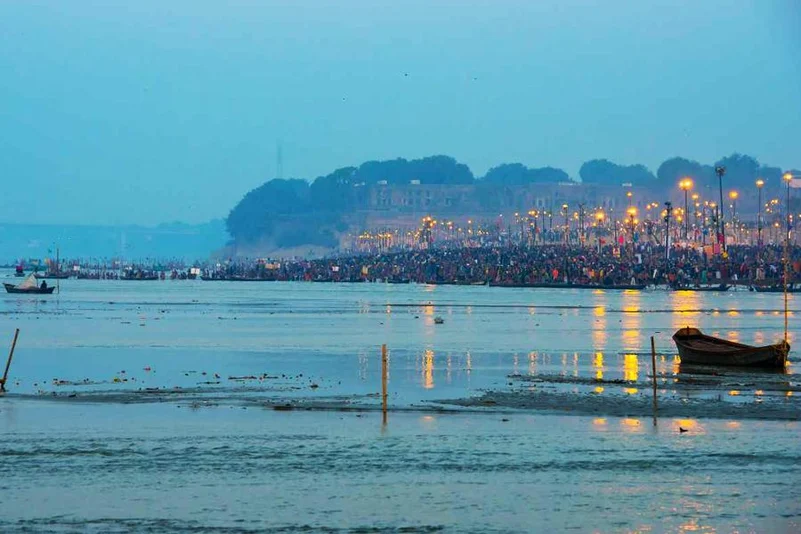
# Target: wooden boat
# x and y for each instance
(697, 348)
(776, 289)
(719, 287)
(53, 276)
(29, 286)
(563, 285)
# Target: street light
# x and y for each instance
(759, 183)
(629, 195)
(720, 171)
(632, 211)
(567, 224)
(685, 185)
(733, 197)
(788, 178)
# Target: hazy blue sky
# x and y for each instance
(148, 111)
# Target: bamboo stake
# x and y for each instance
(384, 372)
(8, 362)
(653, 374)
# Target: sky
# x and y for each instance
(120, 112)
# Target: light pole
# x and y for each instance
(599, 219)
(567, 225)
(720, 171)
(733, 197)
(759, 183)
(697, 205)
(787, 179)
(668, 211)
(685, 185)
(632, 211)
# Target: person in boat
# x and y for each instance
(44, 285)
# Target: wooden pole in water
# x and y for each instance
(8, 362)
(384, 372)
(653, 374)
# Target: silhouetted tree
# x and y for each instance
(603, 171)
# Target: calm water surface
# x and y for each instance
(75, 466)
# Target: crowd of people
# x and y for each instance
(510, 264)
(645, 264)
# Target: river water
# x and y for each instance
(148, 406)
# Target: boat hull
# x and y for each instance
(699, 349)
(10, 288)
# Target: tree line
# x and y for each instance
(288, 212)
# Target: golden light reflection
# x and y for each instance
(599, 389)
(630, 391)
(630, 424)
(688, 424)
(632, 320)
(428, 369)
(733, 424)
(469, 362)
(532, 363)
(631, 367)
(789, 394)
(599, 421)
(759, 392)
(734, 393)
(733, 313)
(428, 309)
(599, 311)
(598, 364)
(685, 305)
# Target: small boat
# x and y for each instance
(438, 320)
(52, 275)
(719, 287)
(29, 286)
(697, 348)
(776, 289)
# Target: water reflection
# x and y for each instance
(428, 369)
(598, 365)
(685, 306)
(631, 367)
(630, 424)
(632, 321)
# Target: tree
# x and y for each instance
(519, 174)
(254, 215)
(602, 171)
(671, 171)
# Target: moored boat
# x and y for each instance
(698, 348)
(776, 289)
(718, 287)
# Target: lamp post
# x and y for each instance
(599, 219)
(685, 185)
(632, 211)
(759, 183)
(567, 224)
(787, 179)
(694, 197)
(668, 211)
(720, 171)
(733, 197)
